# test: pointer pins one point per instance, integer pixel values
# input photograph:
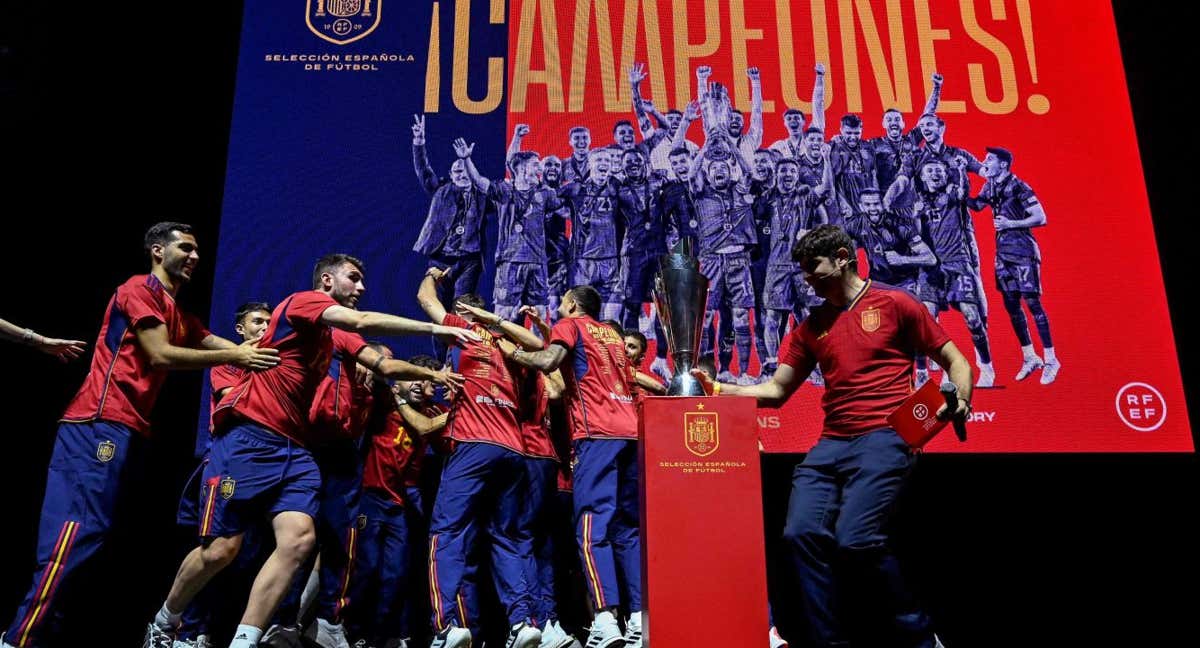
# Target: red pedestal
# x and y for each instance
(703, 556)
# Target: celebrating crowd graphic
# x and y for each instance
(602, 213)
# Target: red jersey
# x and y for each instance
(341, 404)
(598, 378)
(279, 398)
(394, 455)
(121, 386)
(485, 409)
(866, 354)
(222, 378)
(535, 416)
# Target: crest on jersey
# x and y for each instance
(342, 21)
(870, 320)
(106, 451)
(701, 433)
(362, 522)
(227, 486)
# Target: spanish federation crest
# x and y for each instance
(343, 21)
(227, 486)
(361, 522)
(701, 433)
(106, 451)
(870, 320)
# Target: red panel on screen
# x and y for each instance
(1042, 79)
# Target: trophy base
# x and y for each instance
(685, 384)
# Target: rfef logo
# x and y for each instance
(343, 21)
(1141, 407)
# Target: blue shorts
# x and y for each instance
(189, 503)
(1019, 276)
(520, 284)
(950, 284)
(601, 274)
(254, 474)
(729, 282)
(787, 290)
(558, 278)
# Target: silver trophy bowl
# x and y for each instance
(680, 293)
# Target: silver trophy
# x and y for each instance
(715, 107)
(680, 293)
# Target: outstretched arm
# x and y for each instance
(545, 361)
(511, 330)
(464, 150)
(425, 173)
(156, 344)
(754, 134)
(373, 323)
(637, 74)
(514, 146)
(771, 393)
(62, 349)
(935, 95)
(427, 295)
(818, 98)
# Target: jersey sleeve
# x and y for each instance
(140, 306)
(194, 331)
(306, 308)
(565, 332)
(347, 344)
(795, 353)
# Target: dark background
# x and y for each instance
(114, 117)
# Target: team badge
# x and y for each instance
(870, 320)
(495, 390)
(227, 486)
(106, 451)
(362, 522)
(701, 434)
(343, 21)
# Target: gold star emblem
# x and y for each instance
(700, 406)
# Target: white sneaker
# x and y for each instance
(660, 368)
(633, 630)
(523, 635)
(452, 637)
(553, 636)
(279, 636)
(777, 641)
(725, 376)
(157, 637)
(1050, 371)
(331, 635)
(921, 377)
(1029, 366)
(3, 643)
(604, 632)
(937, 643)
(201, 641)
(987, 377)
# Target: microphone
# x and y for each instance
(950, 393)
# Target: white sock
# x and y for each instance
(166, 619)
(604, 618)
(1049, 353)
(1028, 353)
(985, 366)
(246, 636)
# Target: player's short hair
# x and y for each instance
(598, 153)
(634, 151)
(893, 110)
(160, 234)
(1002, 154)
(637, 335)
(869, 192)
(852, 121)
(614, 325)
(588, 300)
(249, 307)
(707, 365)
(579, 129)
(620, 123)
(679, 150)
(813, 129)
(521, 158)
(934, 162)
(551, 157)
(823, 241)
(675, 111)
(787, 160)
(425, 360)
(470, 299)
(331, 262)
(739, 113)
(794, 111)
(934, 117)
